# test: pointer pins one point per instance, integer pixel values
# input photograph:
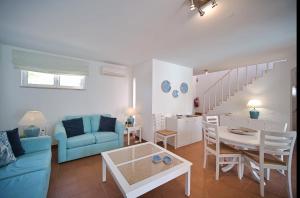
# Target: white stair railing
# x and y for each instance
(234, 81)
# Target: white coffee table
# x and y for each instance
(134, 172)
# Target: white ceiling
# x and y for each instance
(133, 31)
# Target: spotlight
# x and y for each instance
(213, 3)
(192, 7)
(201, 12)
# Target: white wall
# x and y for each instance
(151, 99)
(143, 75)
(175, 74)
(104, 94)
(273, 90)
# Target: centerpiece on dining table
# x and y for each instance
(243, 131)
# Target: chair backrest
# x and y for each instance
(158, 121)
(212, 119)
(211, 135)
(277, 143)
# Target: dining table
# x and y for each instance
(246, 141)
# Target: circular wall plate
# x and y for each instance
(165, 86)
(184, 87)
(175, 93)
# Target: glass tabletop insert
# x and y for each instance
(141, 169)
(132, 153)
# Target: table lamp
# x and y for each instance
(253, 104)
(130, 112)
(32, 120)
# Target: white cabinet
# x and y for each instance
(189, 129)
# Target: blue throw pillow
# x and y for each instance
(107, 124)
(15, 143)
(6, 153)
(73, 127)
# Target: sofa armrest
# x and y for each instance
(34, 144)
(61, 137)
(60, 132)
(120, 127)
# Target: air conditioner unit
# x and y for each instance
(114, 70)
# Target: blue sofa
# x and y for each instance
(29, 175)
(91, 142)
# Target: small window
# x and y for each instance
(71, 81)
(48, 80)
(38, 78)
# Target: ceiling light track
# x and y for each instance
(200, 4)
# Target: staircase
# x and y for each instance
(234, 81)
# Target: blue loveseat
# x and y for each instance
(29, 175)
(91, 142)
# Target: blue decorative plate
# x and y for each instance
(165, 86)
(156, 159)
(175, 93)
(184, 87)
(167, 160)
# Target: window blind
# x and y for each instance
(39, 62)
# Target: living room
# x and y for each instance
(91, 90)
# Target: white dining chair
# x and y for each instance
(160, 131)
(284, 130)
(281, 156)
(213, 146)
(212, 119)
(272, 145)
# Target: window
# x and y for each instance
(48, 80)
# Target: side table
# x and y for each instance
(132, 129)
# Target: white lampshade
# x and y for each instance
(35, 118)
(254, 103)
(131, 111)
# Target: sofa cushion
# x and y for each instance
(33, 185)
(107, 124)
(14, 140)
(105, 136)
(27, 163)
(95, 121)
(86, 122)
(80, 140)
(73, 127)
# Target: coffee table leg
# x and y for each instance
(188, 183)
(103, 170)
